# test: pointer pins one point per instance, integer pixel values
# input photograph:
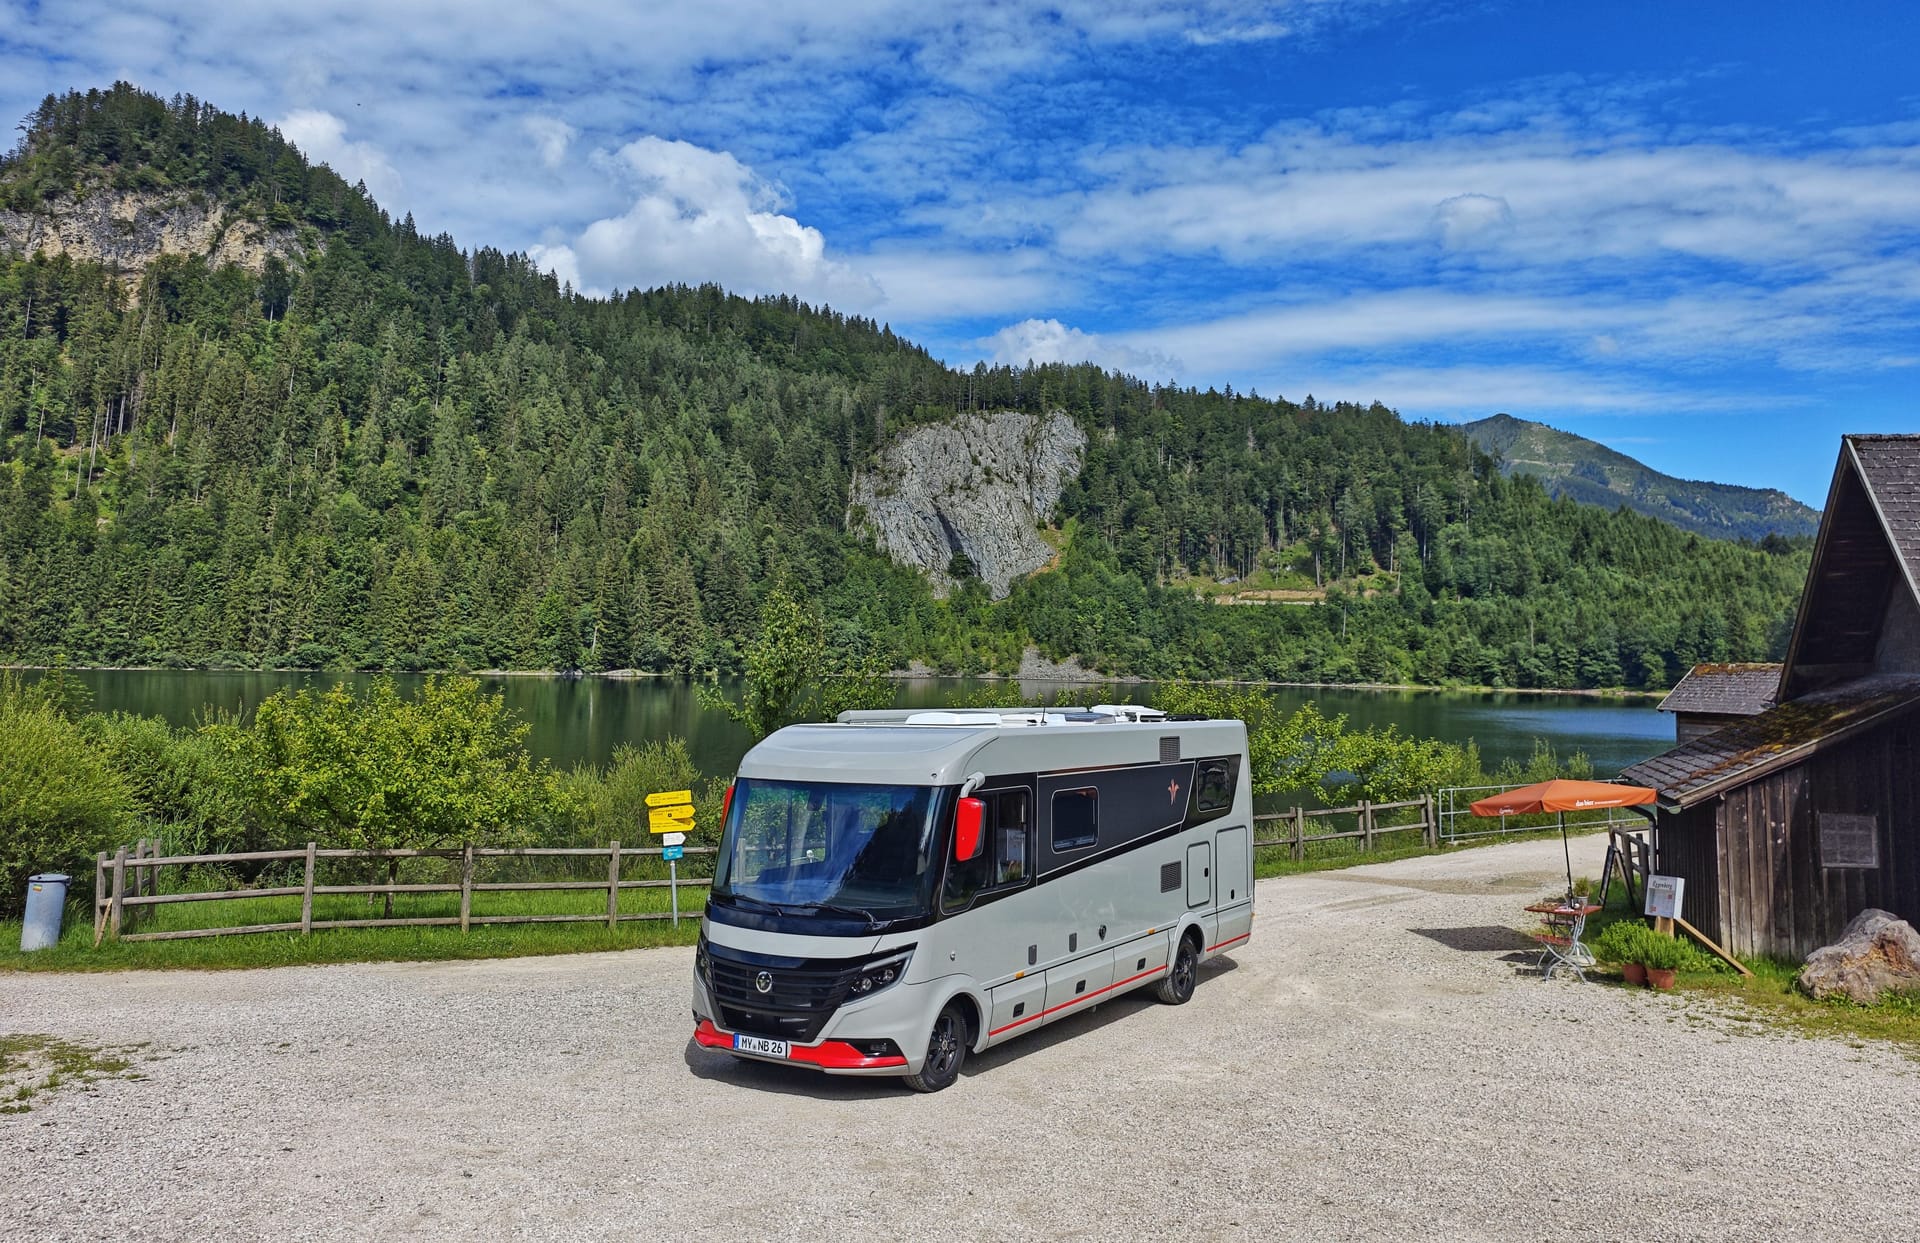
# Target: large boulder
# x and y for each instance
(1878, 953)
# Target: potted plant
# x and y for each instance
(1663, 956)
(1621, 943)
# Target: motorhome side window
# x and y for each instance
(1216, 786)
(1006, 842)
(1076, 818)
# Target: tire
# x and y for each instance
(946, 1051)
(1177, 988)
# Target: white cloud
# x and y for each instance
(703, 216)
(1050, 341)
(322, 138)
(1471, 221)
(551, 138)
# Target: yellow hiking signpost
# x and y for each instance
(670, 813)
(670, 819)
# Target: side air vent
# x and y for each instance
(1170, 876)
(1170, 749)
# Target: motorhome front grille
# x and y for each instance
(796, 1005)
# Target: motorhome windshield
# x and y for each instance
(844, 849)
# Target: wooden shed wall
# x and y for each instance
(1764, 888)
(1688, 847)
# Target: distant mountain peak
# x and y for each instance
(1586, 470)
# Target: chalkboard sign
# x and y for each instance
(1849, 841)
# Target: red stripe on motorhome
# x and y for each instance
(1076, 1001)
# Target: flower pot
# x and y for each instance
(1633, 973)
(1660, 977)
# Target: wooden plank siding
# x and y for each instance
(1751, 858)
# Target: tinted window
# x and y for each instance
(1076, 818)
(1216, 787)
(1004, 844)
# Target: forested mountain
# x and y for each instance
(1585, 470)
(364, 446)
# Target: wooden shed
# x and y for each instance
(1787, 823)
(1713, 697)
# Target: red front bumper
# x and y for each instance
(827, 1055)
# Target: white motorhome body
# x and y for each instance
(854, 926)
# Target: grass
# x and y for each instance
(33, 1065)
(76, 951)
(1769, 997)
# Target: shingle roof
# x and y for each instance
(1745, 750)
(1891, 467)
(1727, 690)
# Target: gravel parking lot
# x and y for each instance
(1371, 1066)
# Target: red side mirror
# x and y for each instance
(967, 819)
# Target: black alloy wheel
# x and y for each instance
(946, 1050)
(1177, 988)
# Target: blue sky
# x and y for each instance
(1689, 231)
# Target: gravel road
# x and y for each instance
(1371, 1066)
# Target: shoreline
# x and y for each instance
(1077, 678)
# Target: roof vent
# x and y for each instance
(1129, 712)
(954, 718)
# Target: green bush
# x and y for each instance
(1632, 941)
(60, 802)
(187, 785)
(1666, 953)
(612, 806)
(1621, 942)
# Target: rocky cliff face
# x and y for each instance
(131, 229)
(980, 485)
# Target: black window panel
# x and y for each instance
(1133, 803)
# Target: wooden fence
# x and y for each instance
(1368, 828)
(127, 888)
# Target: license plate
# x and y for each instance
(756, 1044)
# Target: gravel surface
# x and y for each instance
(1373, 1065)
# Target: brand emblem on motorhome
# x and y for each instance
(763, 982)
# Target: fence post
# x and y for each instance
(99, 897)
(306, 897)
(466, 885)
(1299, 834)
(613, 885)
(1432, 821)
(119, 892)
(1366, 826)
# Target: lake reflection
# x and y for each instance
(583, 721)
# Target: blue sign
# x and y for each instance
(672, 852)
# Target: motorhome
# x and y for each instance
(894, 889)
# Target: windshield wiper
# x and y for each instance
(873, 921)
(739, 899)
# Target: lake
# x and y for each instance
(583, 721)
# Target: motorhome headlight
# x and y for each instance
(875, 976)
(700, 959)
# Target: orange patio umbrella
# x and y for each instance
(1563, 796)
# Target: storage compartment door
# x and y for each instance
(1233, 862)
(1072, 986)
(1199, 875)
(1233, 867)
(1016, 1007)
(1140, 961)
